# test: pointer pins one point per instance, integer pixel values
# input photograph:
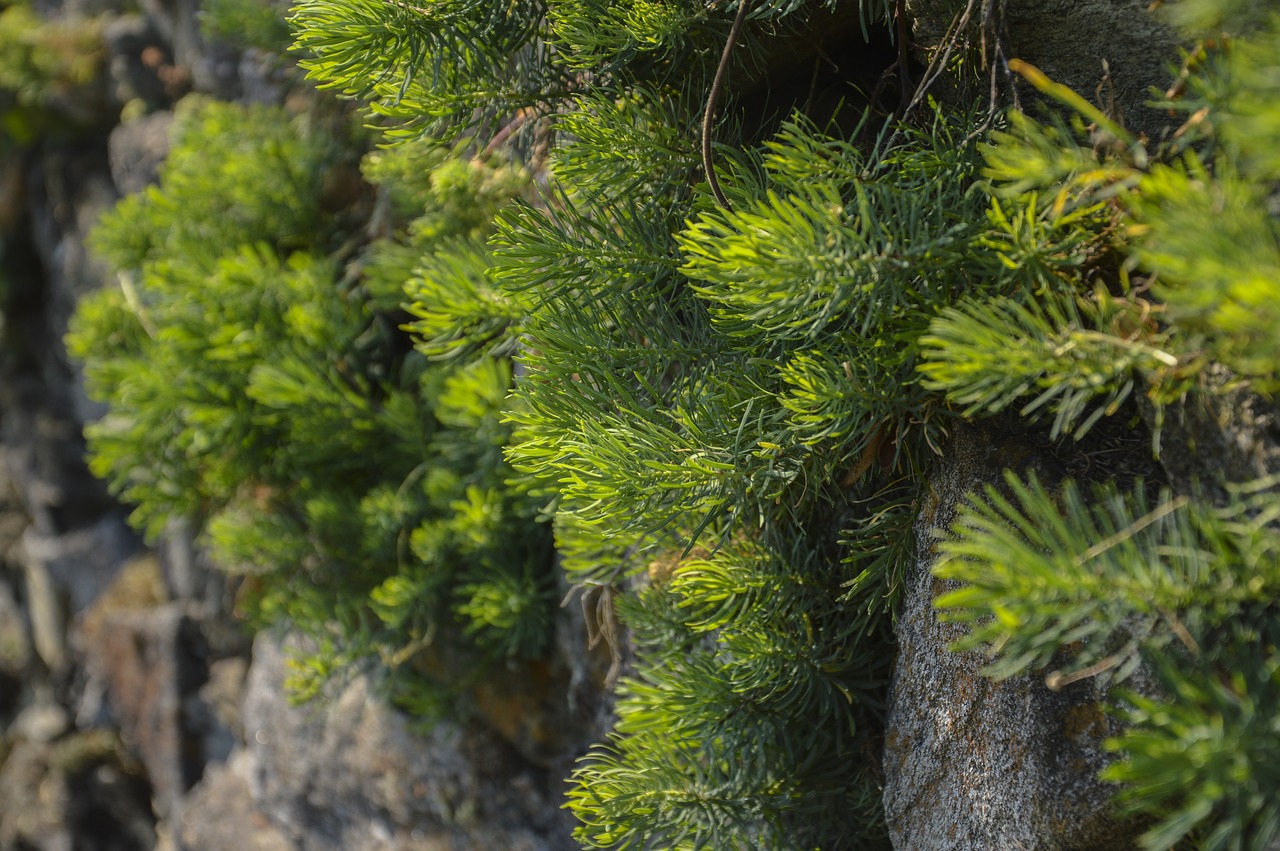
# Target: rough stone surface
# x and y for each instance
(42, 721)
(549, 710)
(1216, 439)
(84, 561)
(149, 672)
(151, 663)
(137, 149)
(351, 774)
(66, 781)
(594, 651)
(69, 188)
(221, 698)
(221, 814)
(1069, 40)
(16, 653)
(47, 610)
(262, 78)
(972, 764)
(43, 454)
(74, 794)
(65, 573)
(15, 643)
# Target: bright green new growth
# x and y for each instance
(659, 410)
(1064, 364)
(256, 390)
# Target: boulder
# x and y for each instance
(42, 453)
(152, 664)
(40, 721)
(1130, 48)
(69, 187)
(152, 672)
(352, 773)
(84, 561)
(220, 813)
(15, 643)
(1228, 435)
(78, 793)
(65, 573)
(972, 764)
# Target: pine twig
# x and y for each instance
(708, 163)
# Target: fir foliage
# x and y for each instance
(1065, 364)
(659, 400)
(740, 728)
(730, 379)
(433, 66)
(725, 410)
(258, 389)
(1093, 586)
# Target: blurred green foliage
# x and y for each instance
(49, 73)
(247, 23)
(254, 385)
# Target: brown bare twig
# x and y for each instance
(708, 163)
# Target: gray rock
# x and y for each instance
(223, 693)
(220, 813)
(78, 793)
(1069, 40)
(136, 59)
(189, 572)
(150, 672)
(65, 574)
(42, 721)
(42, 451)
(972, 764)
(262, 77)
(350, 773)
(152, 664)
(1219, 437)
(83, 562)
(15, 642)
(47, 609)
(13, 516)
(67, 189)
